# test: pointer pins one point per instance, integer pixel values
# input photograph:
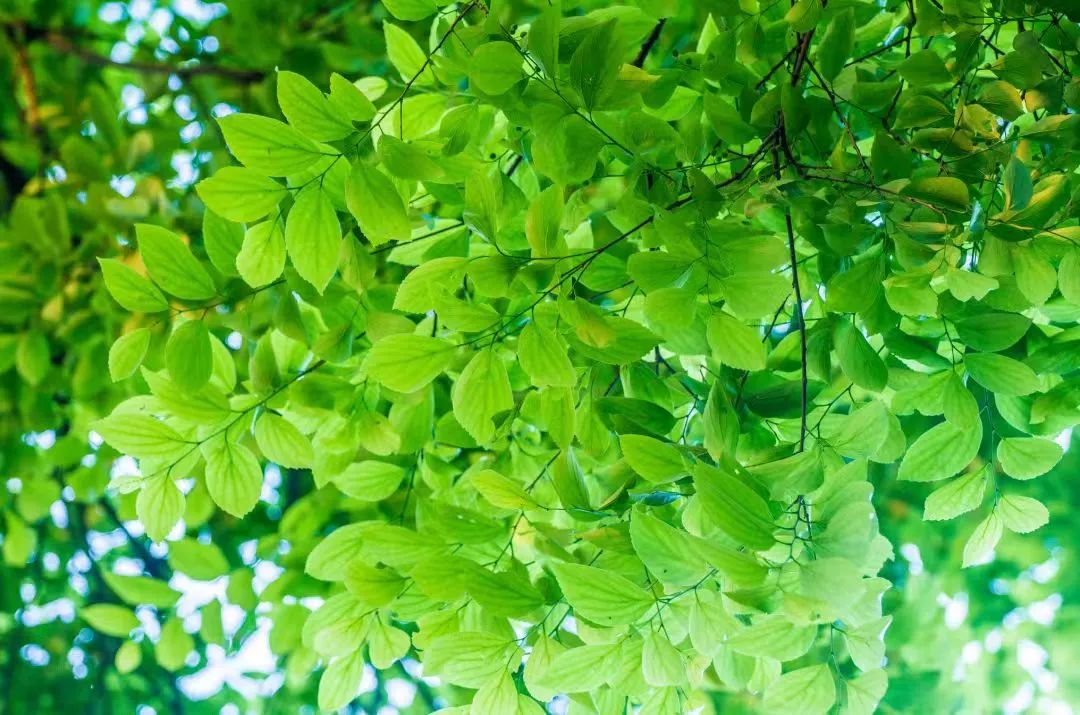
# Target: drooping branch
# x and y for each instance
(64, 45)
(649, 43)
(798, 311)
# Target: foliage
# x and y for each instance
(583, 352)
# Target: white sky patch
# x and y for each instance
(222, 670)
(196, 594)
(956, 608)
(914, 557)
(1064, 439)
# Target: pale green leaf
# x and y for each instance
(313, 237)
(1022, 514)
(1028, 457)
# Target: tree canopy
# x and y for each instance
(518, 356)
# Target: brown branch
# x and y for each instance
(802, 326)
(32, 112)
(800, 57)
(650, 41)
(65, 46)
(154, 566)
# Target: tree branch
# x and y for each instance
(650, 41)
(64, 45)
(802, 325)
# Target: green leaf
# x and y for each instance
(308, 110)
(924, 68)
(993, 331)
(1018, 186)
(171, 265)
(233, 475)
(1002, 99)
(734, 343)
(282, 443)
(1001, 374)
(32, 357)
(543, 38)
(752, 296)
(866, 644)
(407, 160)
(500, 491)
(340, 682)
(1022, 514)
(371, 585)
(568, 479)
(666, 551)
(734, 507)
(943, 192)
(773, 637)
(1069, 277)
(480, 393)
(349, 100)
(958, 496)
(721, 424)
(983, 540)
(543, 219)
(959, 404)
(787, 478)
(471, 658)
(328, 560)
(865, 692)
(262, 256)
(566, 149)
(173, 646)
(159, 506)
(836, 45)
(410, 10)
(1028, 457)
(595, 64)
(369, 481)
(495, 67)
(406, 56)
(661, 663)
(110, 619)
(429, 284)
(222, 240)
(127, 353)
(141, 590)
(726, 121)
(267, 145)
(386, 644)
(132, 291)
(544, 358)
(313, 237)
(575, 670)
(189, 356)
(128, 657)
(1035, 277)
(203, 562)
(240, 194)
(940, 452)
(141, 436)
(376, 205)
(804, 15)
(406, 363)
(966, 285)
(809, 690)
(656, 461)
(498, 695)
(601, 596)
(859, 361)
